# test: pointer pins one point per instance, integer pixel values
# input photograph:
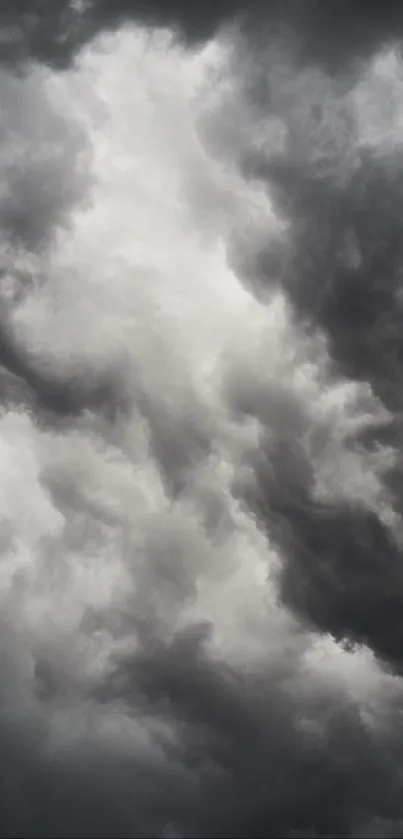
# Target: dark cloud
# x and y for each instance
(249, 744)
(341, 263)
(252, 756)
(331, 166)
(333, 34)
(342, 567)
(201, 586)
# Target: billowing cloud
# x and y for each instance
(330, 169)
(200, 428)
(334, 34)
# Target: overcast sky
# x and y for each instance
(201, 424)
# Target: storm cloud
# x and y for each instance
(334, 34)
(201, 577)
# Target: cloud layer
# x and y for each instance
(201, 577)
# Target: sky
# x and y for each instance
(201, 419)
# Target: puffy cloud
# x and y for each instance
(200, 528)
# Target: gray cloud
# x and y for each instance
(334, 35)
(332, 176)
(44, 174)
(200, 531)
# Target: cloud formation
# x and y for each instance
(331, 171)
(200, 430)
(334, 34)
